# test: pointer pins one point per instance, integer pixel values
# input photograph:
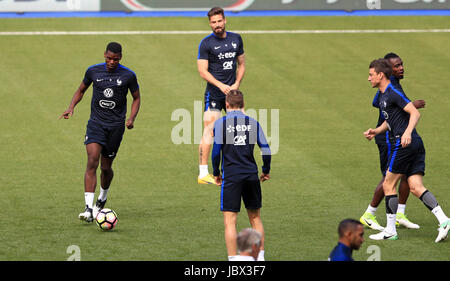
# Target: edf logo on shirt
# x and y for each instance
(228, 55)
(239, 128)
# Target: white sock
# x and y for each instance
(103, 194)
(261, 256)
(401, 208)
(89, 199)
(371, 210)
(203, 170)
(390, 223)
(437, 211)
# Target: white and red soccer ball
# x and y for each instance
(106, 219)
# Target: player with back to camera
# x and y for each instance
(221, 62)
(248, 244)
(408, 152)
(351, 237)
(111, 82)
(384, 147)
(235, 136)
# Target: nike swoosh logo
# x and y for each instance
(387, 237)
(215, 48)
(367, 222)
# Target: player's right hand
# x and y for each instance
(218, 179)
(66, 114)
(225, 89)
(369, 134)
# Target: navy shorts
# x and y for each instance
(246, 187)
(109, 137)
(212, 102)
(409, 160)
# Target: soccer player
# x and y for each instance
(221, 62)
(384, 146)
(235, 136)
(408, 152)
(111, 82)
(351, 237)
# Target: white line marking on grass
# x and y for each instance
(183, 32)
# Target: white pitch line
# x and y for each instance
(181, 32)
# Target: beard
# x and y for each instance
(219, 31)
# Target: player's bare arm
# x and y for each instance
(134, 109)
(414, 116)
(202, 66)
(77, 97)
(240, 72)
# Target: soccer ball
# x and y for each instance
(106, 219)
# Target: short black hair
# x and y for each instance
(114, 47)
(391, 55)
(347, 224)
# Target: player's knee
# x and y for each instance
(416, 185)
(207, 137)
(92, 163)
(254, 215)
(416, 189)
(388, 187)
(106, 169)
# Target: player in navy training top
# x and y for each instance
(221, 62)
(351, 237)
(111, 82)
(235, 136)
(408, 152)
(384, 147)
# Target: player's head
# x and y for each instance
(351, 233)
(234, 100)
(396, 62)
(113, 55)
(380, 71)
(217, 21)
(249, 242)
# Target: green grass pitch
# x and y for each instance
(324, 170)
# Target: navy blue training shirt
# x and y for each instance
(235, 136)
(391, 103)
(221, 54)
(382, 138)
(109, 94)
(341, 253)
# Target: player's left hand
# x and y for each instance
(406, 139)
(264, 177)
(130, 124)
